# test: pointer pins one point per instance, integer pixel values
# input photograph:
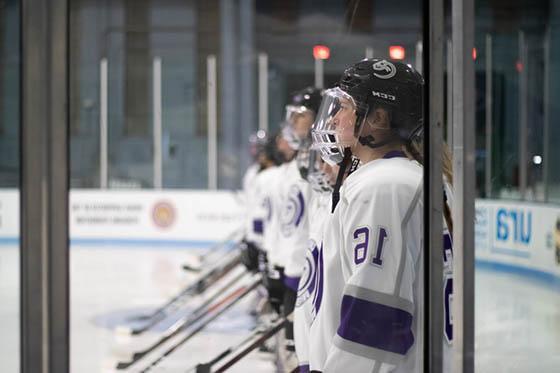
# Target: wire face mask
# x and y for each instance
(337, 126)
(310, 167)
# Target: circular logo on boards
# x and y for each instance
(163, 214)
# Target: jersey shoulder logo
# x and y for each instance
(384, 69)
(307, 279)
(292, 211)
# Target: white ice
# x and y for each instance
(517, 319)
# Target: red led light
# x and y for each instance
(474, 54)
(321, 52)
(396, 52)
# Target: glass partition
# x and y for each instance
(163, 98)
(518, 212)
(9, 185)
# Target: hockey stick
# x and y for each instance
(182, 324)
(203, 258)
(204, 282)
(238, 294)
(256, 338)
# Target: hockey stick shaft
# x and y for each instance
(241, 293)
(203, 283)
(210, 251)
(278, 325)
(178, 327)
(206, 367)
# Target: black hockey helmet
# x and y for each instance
(364, 87)
(309, 98)
(392, 85)
(305, 102)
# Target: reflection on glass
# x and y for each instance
(9, 184)
(518, 230)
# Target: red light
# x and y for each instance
(519, 66)
(321, 52)
(396, 52)
(474, 54)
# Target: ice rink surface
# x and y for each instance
(517, 318)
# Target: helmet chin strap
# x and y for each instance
(369, 140)
(336, 189)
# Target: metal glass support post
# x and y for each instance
(103, 124)
(246, 81)
(157, 109)
(546, 162)
(464, 182)
(489, 113)
(433, 186)
(211, 100)
(44, 188)
(263, 91)
(449, 116)
(369, 52)
(523, 158)
(419, 51)
(319, 74)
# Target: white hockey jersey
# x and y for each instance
(367, 306)
(294, 195)
(319, 213)
(267, 182)
(253, 226)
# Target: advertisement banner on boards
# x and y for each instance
(518, 233)
(188, 218)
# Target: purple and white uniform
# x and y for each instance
(293, 235)
(253, 226)
(319, 213)
(367, 304)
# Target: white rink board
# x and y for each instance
(9, 214)
(189, 217)
(519, 234)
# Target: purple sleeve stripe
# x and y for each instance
(258, 226)
(291, 282)
(375, 325)
(304, 368)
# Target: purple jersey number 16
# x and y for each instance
(360, 250)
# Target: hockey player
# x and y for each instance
(253, 227)
(293, 197)
(321, 178)
(286, 252)
(367, 302)
(261, 220)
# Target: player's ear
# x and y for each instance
(379, 118)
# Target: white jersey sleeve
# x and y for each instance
(253, 220)
(270, 204)
(380, 243)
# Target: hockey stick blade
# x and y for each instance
(240, 295)
(204, 282)
(181, 325)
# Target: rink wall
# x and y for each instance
(518, 237)
(193, 218)
(513, 236)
